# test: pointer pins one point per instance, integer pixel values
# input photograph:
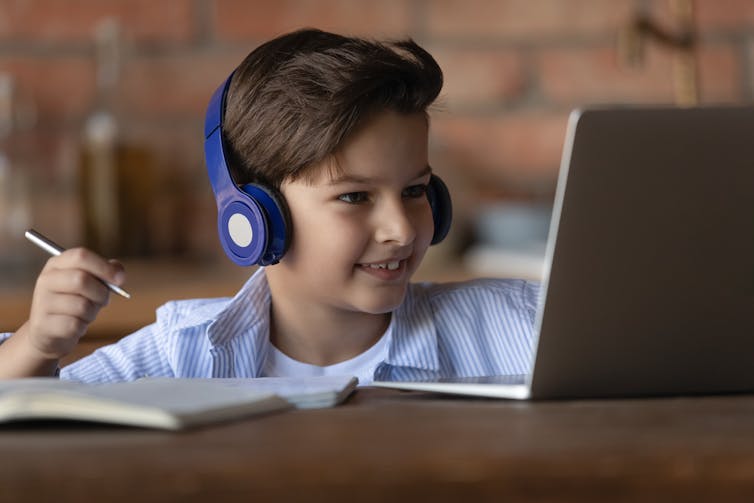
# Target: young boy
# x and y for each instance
(338, 127)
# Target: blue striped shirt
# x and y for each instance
(479, 327)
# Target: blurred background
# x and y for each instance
(102, 104)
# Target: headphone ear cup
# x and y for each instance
(278, 221)
(243, 229)
(442, 207)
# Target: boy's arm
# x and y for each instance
(67, 297)
(18, 359)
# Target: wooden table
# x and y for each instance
(385, 445)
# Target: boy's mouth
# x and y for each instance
(386, 265)
(388, 270)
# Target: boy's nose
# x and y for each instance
(393, 224)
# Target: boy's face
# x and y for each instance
(358, 236)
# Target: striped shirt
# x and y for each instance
(474, 328)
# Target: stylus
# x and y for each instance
(54, 249)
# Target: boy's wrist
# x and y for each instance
(35, 362)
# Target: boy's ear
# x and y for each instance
(442, 207)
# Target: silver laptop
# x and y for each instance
(649, 273)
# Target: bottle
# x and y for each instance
(15, 204)
(116, 175)
(98, 175)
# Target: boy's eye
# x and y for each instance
(415, 191)
(353, 197)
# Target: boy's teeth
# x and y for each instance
(392, 266)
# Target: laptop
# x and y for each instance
(648, 282)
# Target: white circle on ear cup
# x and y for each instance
(239, 229)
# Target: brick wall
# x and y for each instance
(514, 68)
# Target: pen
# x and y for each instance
(54, 249)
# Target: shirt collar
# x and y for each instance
(247, 315)
(413, 336)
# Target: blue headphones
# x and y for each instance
(253, 220)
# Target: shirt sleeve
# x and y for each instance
(138, 355)
(141, 354)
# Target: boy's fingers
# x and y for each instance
(70, 305)
(119, 275)
(84, 259)
(76, 306)
(78, 282)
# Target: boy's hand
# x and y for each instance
(67, 297)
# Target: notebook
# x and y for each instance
(166, 403)
(648, 282)
(302, 392)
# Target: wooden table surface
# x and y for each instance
(384, 445)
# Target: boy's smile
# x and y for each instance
(390, 270)
(361, 225)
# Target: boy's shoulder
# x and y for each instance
(476, 293)
(191, 312)
(495, 286)
(249, 305)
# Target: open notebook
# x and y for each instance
(649, 274)
(166, 403)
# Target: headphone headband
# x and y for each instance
(214, 144)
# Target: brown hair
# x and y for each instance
(295, 99)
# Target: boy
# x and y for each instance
(337, 127)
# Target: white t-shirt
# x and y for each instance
(278, 364)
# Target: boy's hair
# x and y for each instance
(295, 99)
